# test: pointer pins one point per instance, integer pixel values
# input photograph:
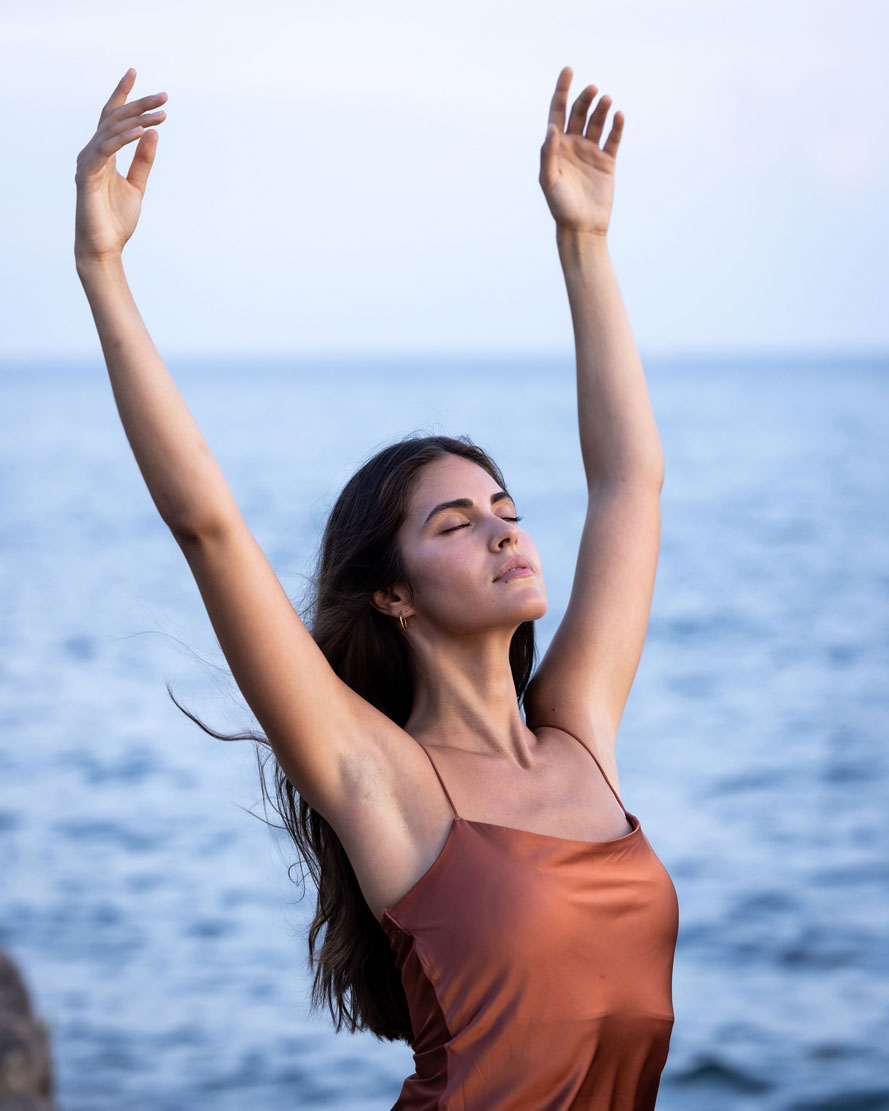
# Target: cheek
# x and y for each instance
(437, 570)
(449, 581)
(447, 570)
(529, 548)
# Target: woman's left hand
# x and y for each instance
(577, 177)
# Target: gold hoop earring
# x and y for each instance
(403, 622)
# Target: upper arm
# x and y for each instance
(589, 667)
(325, 735)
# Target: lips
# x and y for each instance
(521, 566)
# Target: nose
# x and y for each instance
(505, 533)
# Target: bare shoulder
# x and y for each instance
(391, 815)
(378, 778)
(583, 724)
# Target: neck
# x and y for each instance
(465, 697)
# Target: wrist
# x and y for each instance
(577, 246)
(88, 262)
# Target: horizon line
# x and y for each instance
(721, 353)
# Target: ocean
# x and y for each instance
(150, 909)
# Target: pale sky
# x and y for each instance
(362, 178)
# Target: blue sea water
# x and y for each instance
(152, 914)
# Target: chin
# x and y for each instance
(531, 610)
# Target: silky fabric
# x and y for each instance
(537, 969)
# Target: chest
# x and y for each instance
(596, 923)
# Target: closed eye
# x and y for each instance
(454, 528)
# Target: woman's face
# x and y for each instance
(456, 554)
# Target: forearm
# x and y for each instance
(618, 434)
(183, 478)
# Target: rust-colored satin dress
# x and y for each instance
(538, 970)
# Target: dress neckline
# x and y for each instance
(388, 912)
(552, 836)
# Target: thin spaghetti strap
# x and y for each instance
(440, 780)
(598, 765)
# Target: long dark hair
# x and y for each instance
(354, 965)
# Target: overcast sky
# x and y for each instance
(354, 177)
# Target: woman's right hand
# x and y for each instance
(108, 204)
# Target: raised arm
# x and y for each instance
(586, 674)
(325, 735)
(182, 476)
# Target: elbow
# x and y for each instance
(188, 531)
(211, 518)
(184, 533)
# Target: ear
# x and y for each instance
(393, 601)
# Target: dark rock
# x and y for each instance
(13, 993)
(25, 1059)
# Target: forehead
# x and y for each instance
(452, 476)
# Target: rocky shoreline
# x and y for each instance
(26, 1071)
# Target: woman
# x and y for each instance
(484, 893)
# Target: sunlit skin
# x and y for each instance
(356, 767)
(108, 204)
(576, 174)
(460, 618)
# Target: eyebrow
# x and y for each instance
(465, 503)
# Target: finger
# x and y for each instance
(120, 93)
(109, 147)
(115, 125)
(579, 110)
(142, 160)
(110, 138)
(134, 107)
(617, 128)
(597, 119)
(560, 98)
